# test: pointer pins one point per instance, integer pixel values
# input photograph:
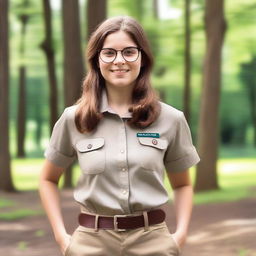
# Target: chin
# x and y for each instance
(121, 84)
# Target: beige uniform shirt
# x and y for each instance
(122, 168)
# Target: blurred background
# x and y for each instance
(205, 65)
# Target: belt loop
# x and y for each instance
(96, 224)
(115, 223)
(145, 215)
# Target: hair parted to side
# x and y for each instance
(145, 107)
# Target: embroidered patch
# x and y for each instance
(148, 135)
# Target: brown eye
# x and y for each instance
(108, 53)
(130, 51)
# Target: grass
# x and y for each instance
(18, 214)
(22, 245)
(236, 180)
(6, 203)
(26, 172)
(237, 152)
(243, 252)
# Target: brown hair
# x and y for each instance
(145, 107)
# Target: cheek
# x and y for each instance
(137, 69)
(103, 69)
(136, 72)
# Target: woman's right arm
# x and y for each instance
(49, 193)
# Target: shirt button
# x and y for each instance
(122, 151)
(123, 169)
(124, 192)
(89, 146)
(154, 142)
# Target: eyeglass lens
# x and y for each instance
(129, 54)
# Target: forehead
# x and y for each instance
(118, 40)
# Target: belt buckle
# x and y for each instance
(116, 223)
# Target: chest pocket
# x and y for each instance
(91, 155)
(152, 153)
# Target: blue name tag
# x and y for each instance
(148, 134)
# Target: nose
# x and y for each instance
(119, 58)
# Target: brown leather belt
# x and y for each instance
(120, 222)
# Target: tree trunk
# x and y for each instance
(187, 63)
(21, 126)
(96, 13)
(206, 177)
(21, 112)
(47, 47)
(6, 183)
(73, 61)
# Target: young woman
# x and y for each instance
(124, 140)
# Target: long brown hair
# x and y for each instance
(145, 107)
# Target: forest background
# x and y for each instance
(205, 62)
(178, 34)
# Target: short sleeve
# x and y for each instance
(180, 154)
(60, 150)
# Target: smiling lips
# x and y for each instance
(119, 71)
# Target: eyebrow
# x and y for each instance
(120, 49)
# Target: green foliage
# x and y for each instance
(137, 9)
(235, 118)
(25, 7)
(167, 41)
(247, 73)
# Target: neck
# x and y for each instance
(119, 99)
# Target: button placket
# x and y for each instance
(123, 168)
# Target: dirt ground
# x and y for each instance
(227, 229)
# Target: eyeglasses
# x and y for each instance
(129, 54)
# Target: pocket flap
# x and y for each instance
(89, 144)
(153, 142)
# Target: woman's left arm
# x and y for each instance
(183, 201)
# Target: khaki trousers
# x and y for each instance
(153, 241)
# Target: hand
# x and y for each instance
(64, 243)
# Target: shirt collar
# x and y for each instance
(104, 107)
